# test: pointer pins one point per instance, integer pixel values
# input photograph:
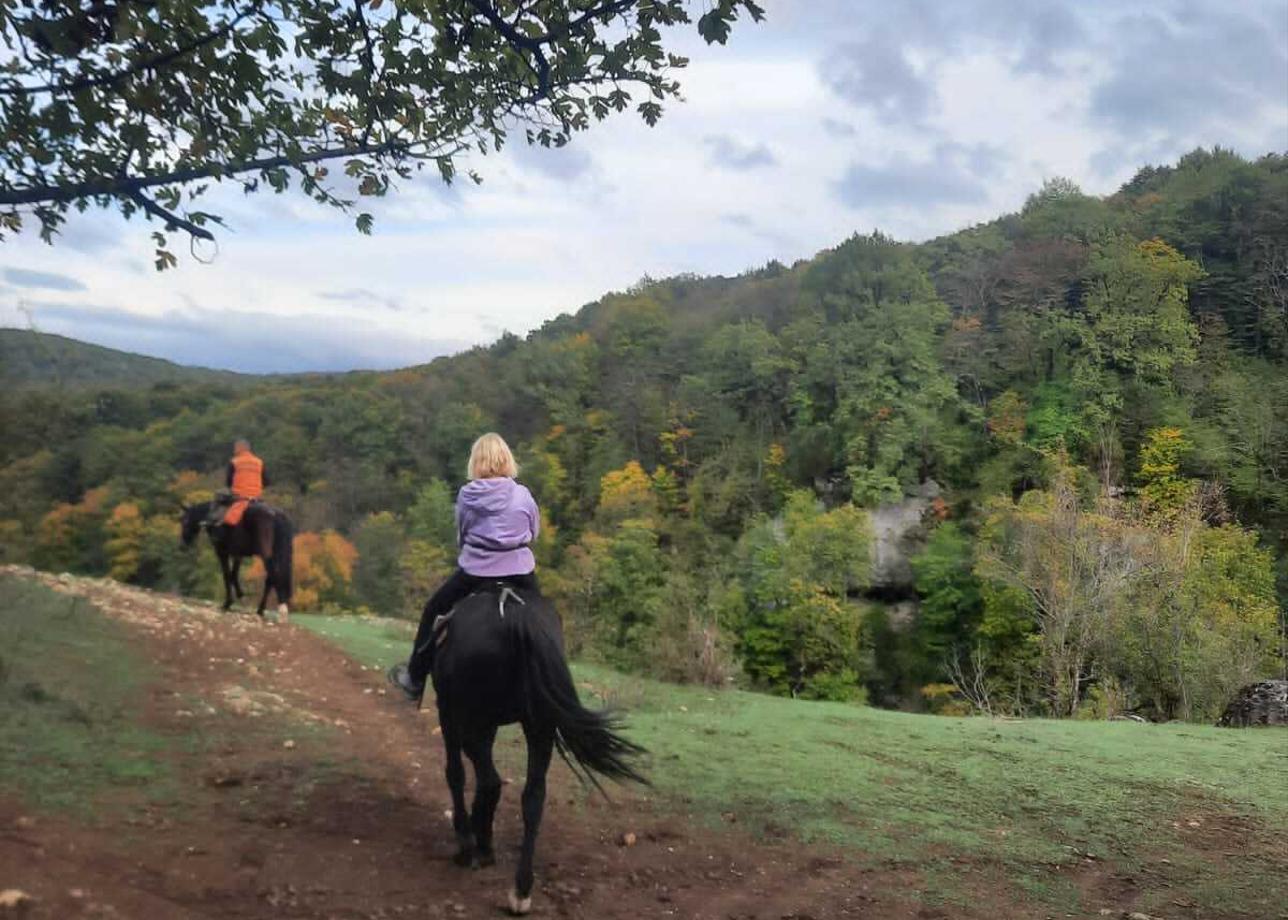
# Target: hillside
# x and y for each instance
(162, 759)
(29, 358)
(1091, 384)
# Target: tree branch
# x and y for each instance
(171, 219)
(125, 186)
(136, 68)
(532, 45)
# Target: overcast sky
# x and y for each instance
(831, 117)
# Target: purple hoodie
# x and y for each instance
(496, 519)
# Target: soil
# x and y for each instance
(315, 794)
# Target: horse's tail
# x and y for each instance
(283, 557)
(587, 740)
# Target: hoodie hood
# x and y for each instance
(487, 496)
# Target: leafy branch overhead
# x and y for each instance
(139, 104)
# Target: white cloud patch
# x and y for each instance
(916, 117)
(52, 281)
(731, 153)
(953, 174)
(879, 74)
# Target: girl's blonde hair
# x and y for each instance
(490, 457)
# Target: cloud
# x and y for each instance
(363, 297)
(1041, 33)
(1182, 72)
(50, 281)
(836, 128)
(892, 67)
(955, 174)
(750, 226)
(877, 74)
(563, 164)
(253, 342)
(89, 235)
(898, 106)
(730, 153)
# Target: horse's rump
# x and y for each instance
(504, 660)
(476, 663)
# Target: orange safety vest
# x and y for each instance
(248, 475)
(248, 484)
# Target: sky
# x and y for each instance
(915, 117)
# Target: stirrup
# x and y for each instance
(437, 631)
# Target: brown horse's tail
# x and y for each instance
(283, 557)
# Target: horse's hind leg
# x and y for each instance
(487, 792)
(270, 574)
(456, 785)
(541, 742)
(228, 581)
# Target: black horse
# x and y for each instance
(502, 662)
(264, 532)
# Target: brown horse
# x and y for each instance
(264, 532)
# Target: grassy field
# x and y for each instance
(71, 684)
(1197, 816)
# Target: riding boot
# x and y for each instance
(400, 677)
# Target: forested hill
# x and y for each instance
(29, 358)
(1089, 397)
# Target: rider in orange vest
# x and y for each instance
(246, 479)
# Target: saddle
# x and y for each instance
(226, 505)
(505, 592)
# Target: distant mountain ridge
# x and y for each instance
(35, 359)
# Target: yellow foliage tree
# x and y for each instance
(70, 536)
(1006, 420)
(124, 541)
(626, 491)
(1164, 490)
(323, 569)
(188, 488)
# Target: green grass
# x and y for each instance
(960, 801)
(372, 641)
(71, 685)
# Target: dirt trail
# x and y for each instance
(349, 822)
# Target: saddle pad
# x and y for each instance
(235, 511)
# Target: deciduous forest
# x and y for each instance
(1037, 467)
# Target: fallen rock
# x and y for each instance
(627, 839)
(246, 702)
(14, 902)
(1262, 703)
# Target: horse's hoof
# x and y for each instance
(463, 858)
(519, 906)
(483, 860)
(283, 613)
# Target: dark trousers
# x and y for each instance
(459, 585)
